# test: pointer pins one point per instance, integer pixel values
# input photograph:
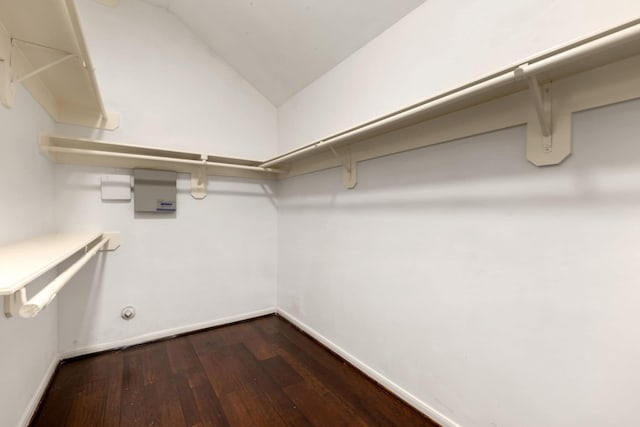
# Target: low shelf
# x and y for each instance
(23, 262)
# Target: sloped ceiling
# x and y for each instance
(280, 46)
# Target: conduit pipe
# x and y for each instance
(37, 303)
(81, 151)
(543, 63)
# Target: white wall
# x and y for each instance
(29, 348)
(170, 89)
(438, 47)
(498, 293)
(216, 258)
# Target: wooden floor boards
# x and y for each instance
(262, 372)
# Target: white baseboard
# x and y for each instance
(39, 393)
(370, 372)
(141, 339)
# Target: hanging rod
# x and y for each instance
(541, 64)
(38, 302)
(387, 120)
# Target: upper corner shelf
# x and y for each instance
(42, 47)
(22, 262)
(560, 64)
(541, 92)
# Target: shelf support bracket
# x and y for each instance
(350, 173)
(542, 103)
(7, 78)
(13, 303)
(43, 68)
(7, 89)
(199, 179)
(548, 132)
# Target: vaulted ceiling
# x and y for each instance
(280, 46)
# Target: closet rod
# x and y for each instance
(543, 63)
(627, 33)
(37, 303)
(387, 120)
(81, 151)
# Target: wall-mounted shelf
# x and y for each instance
(22, 263)
(542, 92)
(42, 47)
(100, 153)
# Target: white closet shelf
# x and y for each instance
(571, 65)
(23, 262)
(541, 92)
(42, 46)
(102, 153)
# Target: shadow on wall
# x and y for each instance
(81, 297)
(490, 171)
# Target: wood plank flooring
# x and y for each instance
(263, 372)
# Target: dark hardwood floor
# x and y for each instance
(262, 372)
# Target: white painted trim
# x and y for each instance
(372, 373)
(39, 393)
(141, 339)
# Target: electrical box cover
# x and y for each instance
(154, 191)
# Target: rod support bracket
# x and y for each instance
(548, 131)
(541, 98)
(13, 303)
(7, 88)
(350, 172)
(8, 77)
(350, 176)
(199, 179)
